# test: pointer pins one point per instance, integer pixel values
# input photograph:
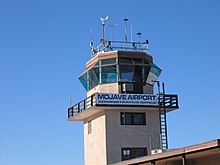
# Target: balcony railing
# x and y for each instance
(106, 46)
(171, 101)
(81, 106)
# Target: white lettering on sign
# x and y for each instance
(126, 99)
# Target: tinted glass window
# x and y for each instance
(138, 61)
(93, 77)
(132, 118)
(109, 74)
(140, 152)
(126, 61)
(126, 73)
(145, 62)
(108, 61)
(126, 119)
(97, 64)
(139, 118)
(130, 153)
(153, 74)
(145, 73)
(83, 79)
(131, 73)
(130, 61)
(138, 76)
(126, 154)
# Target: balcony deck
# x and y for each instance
(89, 107)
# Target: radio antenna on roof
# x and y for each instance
(147, 45)
(91, 42)
(103, 27)
(112, 26)
(126, 33)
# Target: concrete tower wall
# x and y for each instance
(95, 140)
(104, 88)
(130, 136)
(104, 135)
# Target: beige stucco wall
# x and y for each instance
(104, 88)
(95, 142)
(103, 145)
(148, 89)
(122, 136)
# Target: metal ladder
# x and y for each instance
(163, 120)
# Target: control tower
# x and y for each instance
(123, 118)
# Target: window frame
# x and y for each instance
(131, 115)
(132, 153)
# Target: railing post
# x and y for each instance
(78, 107)
(71, 111)
(183, 159)
(177, 101)
(92, 100)
(68, 113)
(171, 100)
(84, 104)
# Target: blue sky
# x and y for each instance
(44, 45)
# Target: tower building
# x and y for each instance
(123, 117)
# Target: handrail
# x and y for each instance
(120, 45)
(171, 101)
(81, 106)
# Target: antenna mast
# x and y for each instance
(126, 35)
(91, 43)
(113, 25)
(103, 27)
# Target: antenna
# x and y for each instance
(126, 35)
(139, 36)
(90, 35)
(103, 27)
(91, 42)
(147, 43)
(70, 101)
(113, 25)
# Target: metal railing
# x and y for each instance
(81, 106)
(171, 101)
(106, 46)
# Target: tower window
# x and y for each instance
(109, 74)
(108, 61)
(131, 118)
(130, 153)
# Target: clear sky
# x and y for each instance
(44, 45)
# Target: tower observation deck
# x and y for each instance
(122, 116)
